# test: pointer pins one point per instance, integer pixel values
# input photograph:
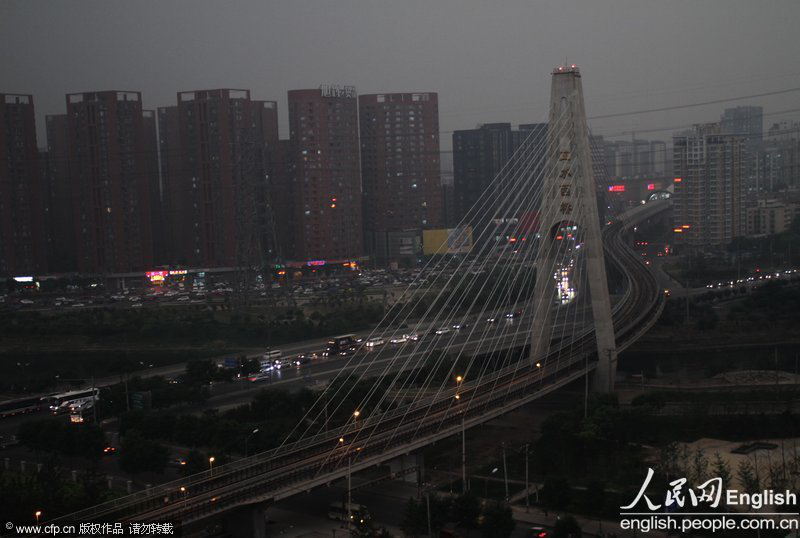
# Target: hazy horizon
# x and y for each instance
(488, 63)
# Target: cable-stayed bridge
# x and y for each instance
(544, 294)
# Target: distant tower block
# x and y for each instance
(569, 206)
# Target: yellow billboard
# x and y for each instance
(447, 240)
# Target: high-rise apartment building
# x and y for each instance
(214, 179)
(709, 197)
(635, 159)
(779, 158)
(22, 192)
(325, 172)
(108, 177)
(400, 171)
(748, 123)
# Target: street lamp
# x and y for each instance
(459, 379)
(249, 435)
(211, 465)
(356, 413)
(37, 515)
(538, 364)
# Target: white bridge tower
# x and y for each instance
(569, 206)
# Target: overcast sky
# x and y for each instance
(489, 61)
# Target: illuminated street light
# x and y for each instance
(538, 364)
(356, 413)
(37, 515)
(459, 379)
(211, 464)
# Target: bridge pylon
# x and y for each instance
(569, 209)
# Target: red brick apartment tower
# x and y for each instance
(215, 184)
(323, 125)
(22, 232)
(400, 172)
(111, 189)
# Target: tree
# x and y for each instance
(466, 510)
(747, 477)
(498, 521)
(414, 520)
(557, 492)
(138, 454)
(722, 470)
(566, 527)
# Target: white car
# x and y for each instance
(411, 336)
(398, 340)
(375, 342)
(134, 305)
(443, 330)
(184, 298)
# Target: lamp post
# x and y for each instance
(246, 439)
(37, 515)
(211, 465)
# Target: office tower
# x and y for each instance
(153, 173)
(708, 201)
(22, 192)
(479, 155)
(400, 171)
(326, 176)
(61, 252)
(109, 181)
(212, 164)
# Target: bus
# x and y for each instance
(358, 512)
(270, 359)
(61, 403)
(9, 408)
(340, 345)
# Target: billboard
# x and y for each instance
(447, 240)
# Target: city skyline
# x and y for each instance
(675, 73)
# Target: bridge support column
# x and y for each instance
(569, 226)
(247, 522)
(405, 468)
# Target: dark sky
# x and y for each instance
(489, 61)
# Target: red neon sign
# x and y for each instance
(678, 179)
(651, 186)
(616, 188)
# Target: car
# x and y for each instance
(375, 342)
(184, 298)
(411, 336)
(537, 532)
(26, 301)
(78, 305)
(110, 450)
(398, 340)
(302, 359)
(134, 305)
(514, 314)
(459, 326)
(491, 319)
(261, 376)
(8, 441)
(442, 330)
